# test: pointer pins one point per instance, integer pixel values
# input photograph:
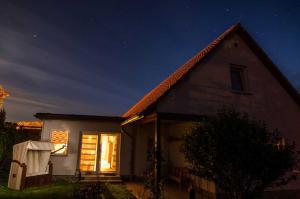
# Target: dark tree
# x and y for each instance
(2, 118)
(239, 154)
(8, 137)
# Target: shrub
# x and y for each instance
(239, 154)
(89, 191)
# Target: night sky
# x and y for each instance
(93, 57)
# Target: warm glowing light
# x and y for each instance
(59, 139)
(108, 150)
(3, 95)
(108, 153)
(132, 119)
(32, 124)
(88, 152)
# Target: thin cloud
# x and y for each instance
(25, 101)
(43, 73)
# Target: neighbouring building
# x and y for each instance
(30, 130)
(232, 70)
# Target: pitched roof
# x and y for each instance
(155, 94)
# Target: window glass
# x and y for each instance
(88, 155)
(109, 147)
(60, 141)
(281, 143)
(236, 80)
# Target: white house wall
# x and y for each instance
(66, 165)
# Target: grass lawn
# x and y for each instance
(56, 190)
(119, 191)
(60, 189)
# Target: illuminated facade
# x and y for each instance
(233, 70)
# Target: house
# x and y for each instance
(30, 129)
(232, 70)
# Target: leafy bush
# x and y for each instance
(89, 191)
(101, 190)
(239, 154)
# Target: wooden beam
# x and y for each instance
(132, 119)
(132, 151)
(23, 176)
(148, 118)
(157, 158)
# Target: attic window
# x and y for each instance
(60, 141)
(237, 79)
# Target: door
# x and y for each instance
(89, 151)
(99, 153)
(109, 153)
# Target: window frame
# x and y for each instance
(67, 149)
(99, 133)
(244, 78)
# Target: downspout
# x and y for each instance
(132, 152)
(132, 137)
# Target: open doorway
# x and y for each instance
(109, 153)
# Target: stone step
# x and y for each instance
(107, 178)
(100, 180)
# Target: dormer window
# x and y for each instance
(237, 79)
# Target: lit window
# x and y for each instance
(237, 79)
(281, 143)
(60, 141)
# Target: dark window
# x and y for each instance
(237, 79)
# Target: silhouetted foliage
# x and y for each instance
(149, 180)
(239, 154)
(2, 118)
(8, 137)
(101, 190)
(90, 191)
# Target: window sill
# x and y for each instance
(241, 92)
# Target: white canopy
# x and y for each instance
(35, 155)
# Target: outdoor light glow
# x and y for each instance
(108, 153)
(88, 152)
(132, 119)
(3, 95)
(33, 124)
